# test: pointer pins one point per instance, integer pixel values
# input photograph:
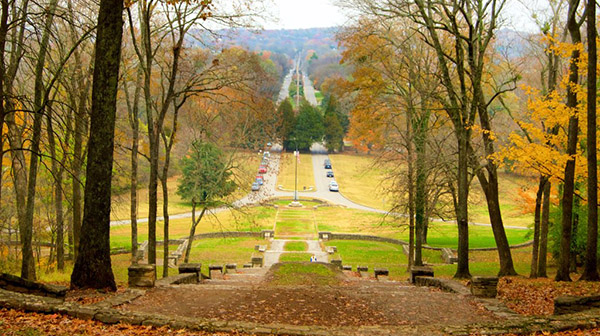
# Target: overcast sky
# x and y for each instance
(295, 14)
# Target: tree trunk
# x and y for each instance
(93, 265)
(590, 271)
(57, 172)
(3, 35)
(462, 268)
(420, 136)
(536, 228)
(166, 222)
(544, 231)
(562, 273)
(193, 230)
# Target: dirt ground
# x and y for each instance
(358, 303)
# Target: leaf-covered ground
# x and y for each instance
(536, 296)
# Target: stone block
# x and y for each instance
(230, 268)
(416, 271)
(183, 278)
(448, 256)
(195, 268)
(381, 272)
(262, 248)
(346, 267)
(141, 275)
(215, 268)
(362, 268)
(267, 234)
(573, 304)
(484, 286)
(257, 261)
(337, 262)
(324, 235)
(248, 265)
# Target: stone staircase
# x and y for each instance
(239, 277)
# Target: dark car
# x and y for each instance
(330, 173)
(327, 164)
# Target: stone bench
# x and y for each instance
(484, 286)
(362, 268)
(191, 268)
(573, 304)
(141, 275)
(416, 271)
(248, 265)
(346, 268)
(262, 248)
(448, 256)
(331, 249)
(215, 268)
(266, 234)
(230, 268)
(381, 272)
(257, 261)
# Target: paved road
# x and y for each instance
(284, 92)
(309, 91)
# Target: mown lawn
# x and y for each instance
(286, 175)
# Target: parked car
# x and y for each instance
(333, 186)
(330, 173)
(262, 169)
(267, 154)
(260, 179)
(269, 144)
(255, 186)
(327, 164)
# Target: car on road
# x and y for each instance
(262, 169)
(333, 186)
(327, 164)
(330, 173)
(260, 179)
(255, 186)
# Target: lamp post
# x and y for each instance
(297, 155)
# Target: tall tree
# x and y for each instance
(93, 264)
(591, 257)
(573, 26)
(308, 128)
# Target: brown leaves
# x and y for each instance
(536, 296)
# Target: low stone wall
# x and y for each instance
(229, 234)
(446, 285)
(17, 284)
(573, 304)
(184, 278)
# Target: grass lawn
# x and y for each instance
(296, 246)
(302, 274)
(487, 263)
(285, 201)
(372, 254)
(246, 167)
(360, 179)
(319, 97)
(287, 168)
(251, 219)
(287, 257)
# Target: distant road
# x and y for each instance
(284, 92)
(309, 91)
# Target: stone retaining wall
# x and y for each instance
(351, 236)
(446, 285)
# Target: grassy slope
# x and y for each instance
(287, 172)
(360, 181)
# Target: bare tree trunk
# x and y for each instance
(562, 273)
(536, 228)
(590, 271)
(462, 268)
(193, 230)
(544, 231)
(93, 265)
(3, 35)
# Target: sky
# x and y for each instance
(294, 14)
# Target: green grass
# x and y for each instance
(290, 257)
(299, 274)
(296, 246)
(223, 251)
(286, 202)
(292, 227)
(372, 254)
(319, 97)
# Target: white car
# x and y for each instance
(255, 186)
(333, 186)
